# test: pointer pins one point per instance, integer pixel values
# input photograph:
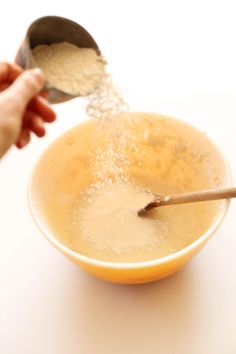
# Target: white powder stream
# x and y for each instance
(105, 214)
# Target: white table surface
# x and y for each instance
(173, 57)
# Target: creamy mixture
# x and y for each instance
(92, 209)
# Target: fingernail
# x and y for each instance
(23, 141)
(38, 73)
(43, 100)
(19, 145)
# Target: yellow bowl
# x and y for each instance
(64, 153)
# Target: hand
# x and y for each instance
(22, 110)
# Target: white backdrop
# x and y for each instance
(173, 57)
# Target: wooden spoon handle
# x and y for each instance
(162, 200)
(200, 196)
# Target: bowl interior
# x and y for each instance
(165, 155)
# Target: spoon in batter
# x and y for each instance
(192, 197)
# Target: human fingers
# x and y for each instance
(4, 86)
(41, 107)
(9, 72)
(4, 70)
(24, 89)
(23, 139)
(34, 123)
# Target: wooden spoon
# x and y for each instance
(201, 196)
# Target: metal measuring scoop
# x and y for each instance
(48, 30)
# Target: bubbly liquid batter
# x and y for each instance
(97, 215)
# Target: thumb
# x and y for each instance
(26, 87)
